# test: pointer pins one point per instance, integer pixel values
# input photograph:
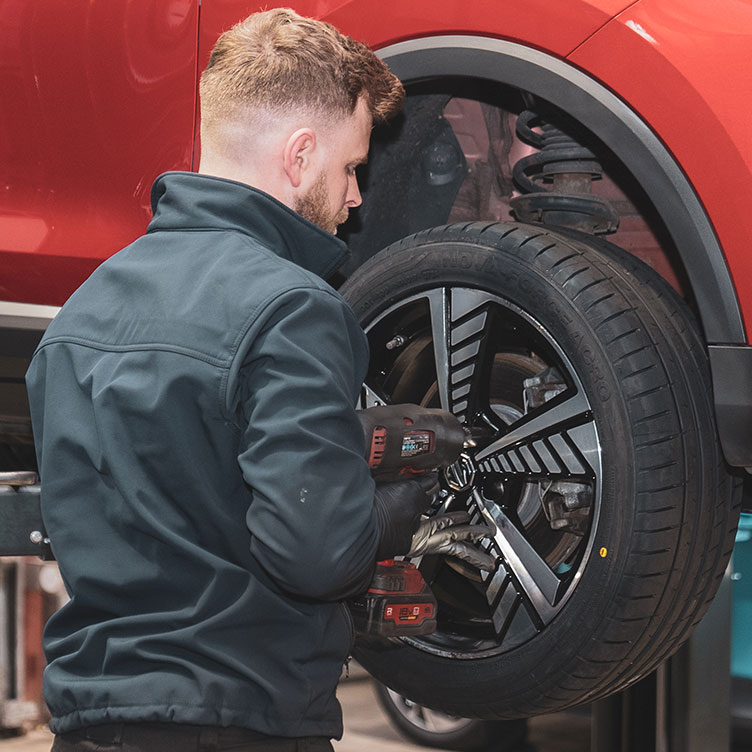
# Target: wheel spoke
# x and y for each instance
(438, 302)
(458, 324)
(539, 584)
(555, 441)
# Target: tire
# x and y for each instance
(584, 381)
(432, 728)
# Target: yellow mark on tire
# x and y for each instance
(603, 552)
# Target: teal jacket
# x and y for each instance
(203, 480)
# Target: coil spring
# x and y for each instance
(570, 168)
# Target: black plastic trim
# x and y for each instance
(619, 127)
(731, 368)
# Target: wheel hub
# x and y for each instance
(461, 475)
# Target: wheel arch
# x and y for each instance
(618, 127)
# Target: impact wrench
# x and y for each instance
(405, 442)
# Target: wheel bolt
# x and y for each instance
(395, 342)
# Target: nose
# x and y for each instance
(353, 193)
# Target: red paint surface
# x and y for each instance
(97, 99)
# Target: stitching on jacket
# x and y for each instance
(136, 347)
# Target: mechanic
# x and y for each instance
(203, 483)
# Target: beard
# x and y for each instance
(314, 206)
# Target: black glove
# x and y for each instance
(450, 535)
(399, 506)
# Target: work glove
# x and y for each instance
(398, 507)
(450, 535)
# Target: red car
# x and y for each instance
(564, 208)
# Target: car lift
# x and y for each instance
(683, 706)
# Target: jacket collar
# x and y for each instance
(190, 201)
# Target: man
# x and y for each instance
(201, 460)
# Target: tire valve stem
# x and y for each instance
(396, 341)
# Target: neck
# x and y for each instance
(216, 164)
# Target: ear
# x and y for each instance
(297, 155)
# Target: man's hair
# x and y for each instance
(280, 61)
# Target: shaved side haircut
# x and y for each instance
(280, 62)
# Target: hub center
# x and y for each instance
(461, 475)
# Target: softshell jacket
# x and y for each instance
(202, 476)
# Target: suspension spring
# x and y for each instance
(569, 169)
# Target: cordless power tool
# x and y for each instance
(403, 442)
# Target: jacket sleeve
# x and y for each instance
(311, 518)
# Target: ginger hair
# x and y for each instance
(278, 61)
